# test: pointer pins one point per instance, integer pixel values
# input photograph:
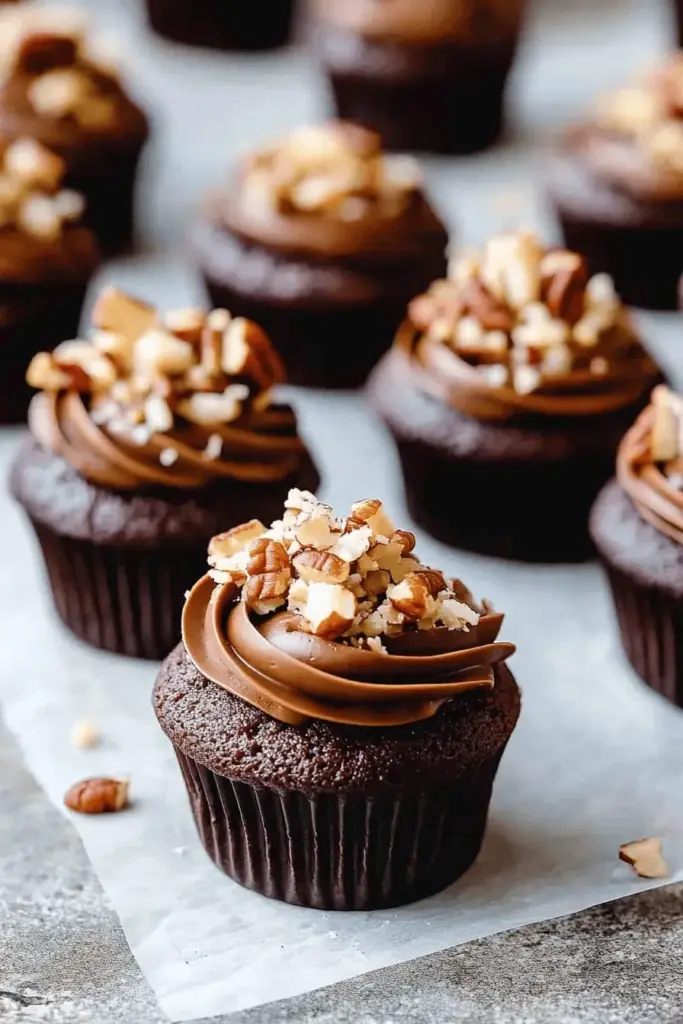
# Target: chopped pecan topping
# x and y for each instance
(352, 580)
(523, 315)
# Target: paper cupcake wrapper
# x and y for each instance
(121, 600)
(340, 851)
(651, 626)
(258, 25)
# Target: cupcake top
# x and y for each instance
(42, 237)
(650, 463)
(337, 619)
(424, 23)
(521, 329)
(634, 140)
(330, 191)
(181, 400)
(56, 86)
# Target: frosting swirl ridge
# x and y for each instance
(650, 463)
(294, 676)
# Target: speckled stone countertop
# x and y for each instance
(63, 955)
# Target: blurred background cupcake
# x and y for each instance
(223, 24)
(332, 689)
(145, 442)
(617, 187)
(637, 526)
(322, 239)
(507, 391)
(428, 75)
(47, 258)
(57, 89)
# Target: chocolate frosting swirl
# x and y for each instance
(646, 483)
(259, 447)
(623, 162)
(294, 676)
(375, 237)
(443, 373)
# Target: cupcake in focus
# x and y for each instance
(338, 710)
(259, 25)
(427, 76)
(323, 240)
(637, 526)
(617, 186)
(144, 442)
(56, 88)
(507, 391)
(47, 258)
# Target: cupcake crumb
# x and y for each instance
(85, 735)
(645, 857)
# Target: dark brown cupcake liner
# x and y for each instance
(526, 511)
(651, 626)
(645, 263)
(434, 116)
(108, 182)
(340, 851)
(258, 25)
(128, 601)
(326, 348)
(34, 318)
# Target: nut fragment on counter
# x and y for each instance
(353, 579)
(85, 735)
(524, 315)
(645, 857)
(97, 796)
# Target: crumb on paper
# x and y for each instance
(645, 857)
(85, 735)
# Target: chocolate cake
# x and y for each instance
(56, 88)
(617, 187)
(338, 710)
(637, 526)
(145, 441)
(322, 240)
(47, 257)
(507, 390)
(427, 76)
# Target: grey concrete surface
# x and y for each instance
(64, 958)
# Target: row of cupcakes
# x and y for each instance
(508, 389)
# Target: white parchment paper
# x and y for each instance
(596, 759)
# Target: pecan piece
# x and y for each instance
(645, 857)
(492, 313)
(269, 575)
(564, 276)
(97, 796)
(330, 609)
(247, 352)
(321, 567)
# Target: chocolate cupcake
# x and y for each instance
(637, 526)
(678, 8)
(260, 25)
(143, 442)
(322, 240)
(617, 185)
(427, 76)
(57, 90)
(508, 390)
(338, 710)
(47, 258)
